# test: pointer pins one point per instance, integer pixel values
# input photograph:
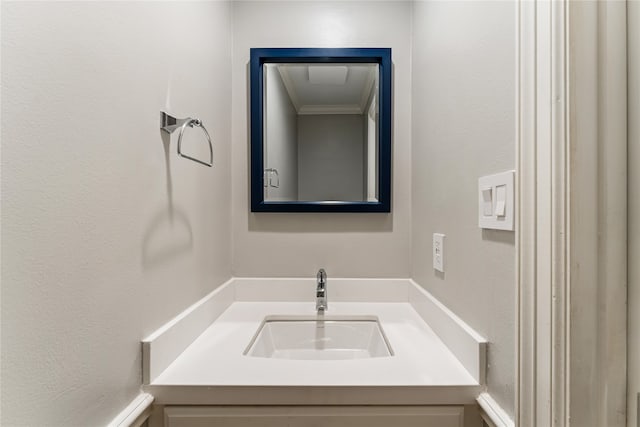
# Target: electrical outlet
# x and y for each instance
(438, 251)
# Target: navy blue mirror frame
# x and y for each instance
(381, 56)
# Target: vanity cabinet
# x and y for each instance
(314, 416)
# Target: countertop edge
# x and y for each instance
(252, 395)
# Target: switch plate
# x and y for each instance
(438, 251)
(502, 201)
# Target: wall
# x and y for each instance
(633, 191)
(347, 245)
(463, 116)
(330, 157)
(281, 130)
(598, 214)
(106, 233)
(121, 236)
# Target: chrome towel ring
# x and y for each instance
(170, 124)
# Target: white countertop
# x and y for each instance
(197, 357)
(216, 357)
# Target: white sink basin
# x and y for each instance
(319, 338)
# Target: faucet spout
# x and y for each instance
(322, 298)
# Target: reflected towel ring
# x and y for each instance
(169, 124)
(268, 181)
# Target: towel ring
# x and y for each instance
(170, 124)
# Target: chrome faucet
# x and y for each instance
(322, 301)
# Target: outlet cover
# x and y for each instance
(438, 252)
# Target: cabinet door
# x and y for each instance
(314, 416)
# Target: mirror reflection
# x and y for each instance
(320, 132)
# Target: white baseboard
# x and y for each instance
(492, 413)
(135, 413)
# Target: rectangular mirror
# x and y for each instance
(320, 130)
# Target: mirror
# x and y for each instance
(320, 130)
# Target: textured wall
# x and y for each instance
(598, 208)
(347, 245)
(633, 50)
(330, 157)
(105, 234)
(281, 133)
(463, 115)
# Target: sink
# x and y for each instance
(319, 338)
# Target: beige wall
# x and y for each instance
(463, 115)
(281, 132)
(346, 245)
(330, 157)
(105, 235)
(633, 38)
(598, 213)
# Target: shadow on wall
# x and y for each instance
(321, 222)
(169, 234)
(499, 236)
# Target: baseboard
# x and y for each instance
(492, 413)
(135, 413)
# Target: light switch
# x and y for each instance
(501, 200)
(487, 201)
(496, 208)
